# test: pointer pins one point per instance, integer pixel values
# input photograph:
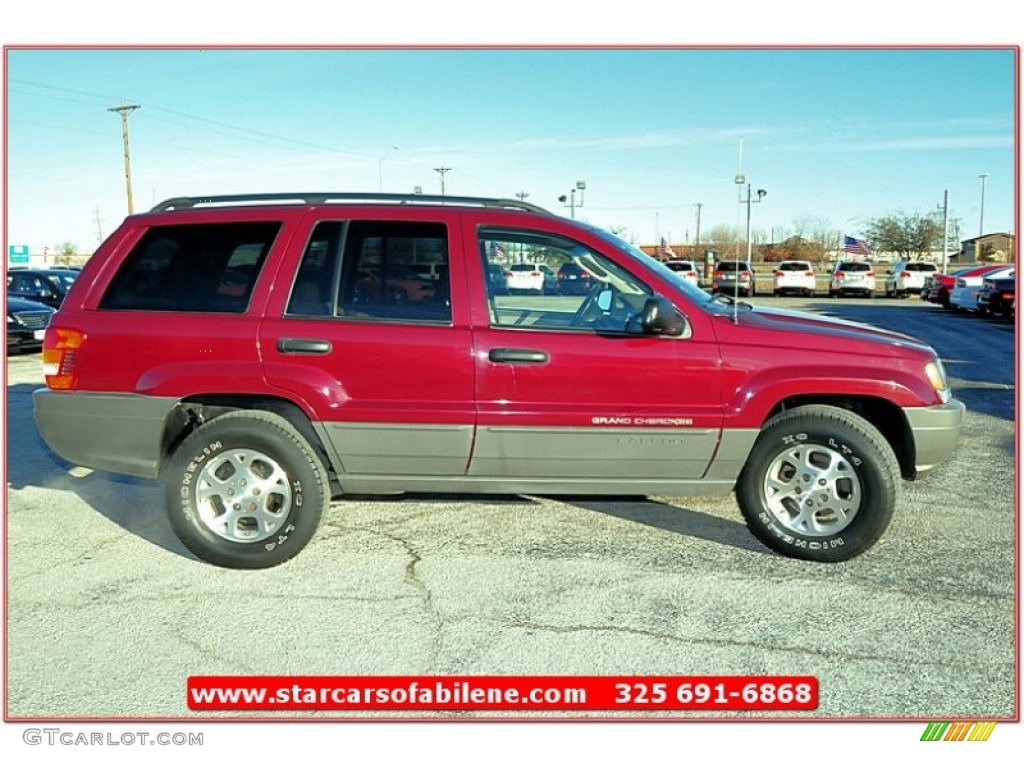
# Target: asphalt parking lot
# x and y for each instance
(108, 614)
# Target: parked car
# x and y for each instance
(941, 284)
(497, 281)
(45, 286)
(907, 276)
(530, 278)
(572, 280)
(963, 297)
(793, 277)
(400, 286)
(254, 415)
(852, 277)
(26, 323)
(998, 296)
(734, 277)
(686, 269)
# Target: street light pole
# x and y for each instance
(760, 195)
(580, 185)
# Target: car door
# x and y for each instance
(569, 390)
(386, 369)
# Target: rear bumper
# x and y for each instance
(936, 431)
(132, 429)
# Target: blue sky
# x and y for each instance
(837, 135)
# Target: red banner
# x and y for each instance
(502, 693)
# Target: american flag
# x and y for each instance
(853, 245)
(497, 252)
(665, 251)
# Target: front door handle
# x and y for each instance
(303, 346)
(509, 355)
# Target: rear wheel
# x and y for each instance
(820, 484)
(246, 490)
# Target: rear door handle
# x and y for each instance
(304, 346)
(509, 355)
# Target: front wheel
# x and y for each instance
(820, 484)
(246, 490)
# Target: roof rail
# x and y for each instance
(325, 198)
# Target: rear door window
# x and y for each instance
(375, 270)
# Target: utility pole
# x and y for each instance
(945, 229)
(522, 196)
(125, 110)
(696, 244)
(981, 224)
(442, 171)
(99, 223)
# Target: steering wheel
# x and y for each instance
(620, 316)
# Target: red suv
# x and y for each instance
(229, 347)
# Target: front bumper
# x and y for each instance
(936, 431)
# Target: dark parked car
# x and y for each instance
(27, 321)
(46, 286)
(497, 283)
(734, 276)
(573, 279)
(997, 297)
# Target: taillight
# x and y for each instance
(808, 274)
(688, 274)
(780, 274)
(60, 353)
(841, 275)
(718, 275)
(744, 273)
(869, 274)
(904, 275)
(535, 274)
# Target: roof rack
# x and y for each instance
(325, 198)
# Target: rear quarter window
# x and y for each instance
(192, 268)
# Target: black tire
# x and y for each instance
(852, 476)
(262, 462)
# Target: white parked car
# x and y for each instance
(795, 277)
(686, 269)
(963, 296)
(907, 277)
(852, 277)
(533, 278)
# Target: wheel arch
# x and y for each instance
(194, 410)
(885, 416)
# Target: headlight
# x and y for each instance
(937, 376)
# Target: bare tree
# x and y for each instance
(907, 235)
(65, 253)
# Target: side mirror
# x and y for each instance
(604, 300)
(660, 318)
